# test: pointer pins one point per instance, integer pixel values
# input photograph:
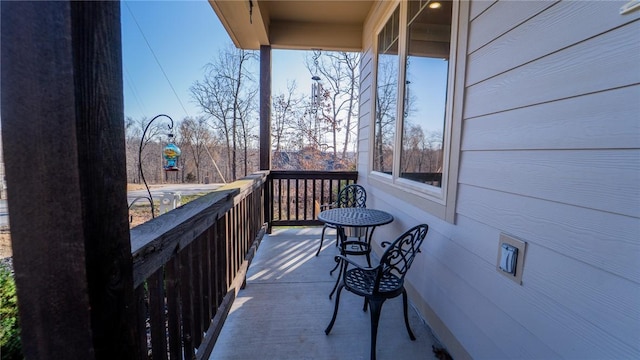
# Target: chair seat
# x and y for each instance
(362, 282)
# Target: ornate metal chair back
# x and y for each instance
(352, 196)
(397, 259)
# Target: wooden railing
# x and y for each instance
(188, 266)
(190, 262)
(293, 197)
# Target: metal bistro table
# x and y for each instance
(359, 218)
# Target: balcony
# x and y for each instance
(284, 309)
(191, 264)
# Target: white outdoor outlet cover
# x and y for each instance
(508, 258)
(510, 262)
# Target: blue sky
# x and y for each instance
(184, 36)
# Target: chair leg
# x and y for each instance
(406, 315)
(376, 307)
(338, 279)
(341, 238)
(335, 267)
(335, 311)
(321, 240)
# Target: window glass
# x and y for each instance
(425, 94)
(386, 95)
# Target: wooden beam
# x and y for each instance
(99, 102)
(63, 137)
(265, 107)
(326, 36)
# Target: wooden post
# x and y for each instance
(63, 137)
(265, 107)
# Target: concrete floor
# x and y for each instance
(285, 307)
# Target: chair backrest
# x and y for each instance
(353, 195)
(397, 259)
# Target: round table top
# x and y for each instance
(355, 217)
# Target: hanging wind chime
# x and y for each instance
(316, 87)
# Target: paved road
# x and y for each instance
(184, 189)
(156, 192)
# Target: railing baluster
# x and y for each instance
(221, 263)
(297, 199)
(288, 199)
(322, 199)
(280, 199)
(157, 318)
(331, 191)
(313, 212)
(196, 271)
(141, 322)
(187, 300)
(172, 270)
(205, 251)
(305, 201)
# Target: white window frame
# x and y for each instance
(439, 201)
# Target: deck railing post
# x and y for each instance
(63, 136)
(265, 107)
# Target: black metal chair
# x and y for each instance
(385, 281)
(353, 195)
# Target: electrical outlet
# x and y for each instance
(510, 261)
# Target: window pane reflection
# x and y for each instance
(427, 63)
(386, 95)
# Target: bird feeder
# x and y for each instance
(171, 153)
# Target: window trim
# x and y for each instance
(439, 201)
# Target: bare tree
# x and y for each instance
(225, 94)
(247, 137)
(195, 135)
(286, 110)
(146, 156)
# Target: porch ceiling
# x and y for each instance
(294, 24)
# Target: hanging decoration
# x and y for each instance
(316, 87)
(171, 153)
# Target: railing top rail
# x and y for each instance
(313, 174)
(156, 241)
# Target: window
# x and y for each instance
(386, 94)
(410, 125)
(425, 91)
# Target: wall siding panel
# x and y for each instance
(605, 120)
(500, 18)
(588, 291)
(604, 240)
(568, 177)
(572, 19)
(478, 7)
(592, 292)
(574, 71)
